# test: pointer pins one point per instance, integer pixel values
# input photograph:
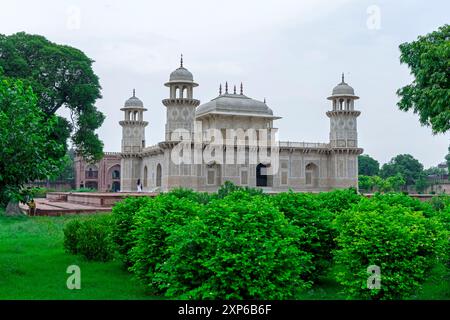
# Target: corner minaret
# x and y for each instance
(133, 141)
(181, 103)
(343, 125)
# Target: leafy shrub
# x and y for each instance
(41, 192)
(306, 212)
(236, 248)
(200, 197)
(71, 236)
(339, 200)
(401, 199)
(229, 187)
(83, 190)
(403, 243)
(152, 225)
(90, 238)
(440, 202)
(122, 235)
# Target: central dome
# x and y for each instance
(235, 104)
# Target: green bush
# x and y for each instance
(200, 197)
(83, 190)
(306, 212)
(90, 238)
(339, 200)
(122, 229)
(403, 243)
(153, 223)
(41, 192)
(71, 236)
(401, 199)
(440, 202)
(236, 248)
(229, 187)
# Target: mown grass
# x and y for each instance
(33, 265)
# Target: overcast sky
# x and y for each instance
(291, 52)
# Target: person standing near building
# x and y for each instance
(31, 208)
(139, 186)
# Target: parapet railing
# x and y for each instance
(293, 144)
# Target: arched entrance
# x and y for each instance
(261, 175)
(158, 175)
(312, 175)
(115, 186)
(113, 178)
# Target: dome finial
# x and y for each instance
(181, 61)
(134, 93)
(242, 89)
(226, 87)
(264, 99)
(343, 78)
(234, 89)
(220, 90)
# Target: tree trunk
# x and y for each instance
(13, 209)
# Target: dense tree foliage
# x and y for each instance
(28, 151)
(61, 76)
(404, 164)
(429, 94)
(367, 165)
(376, 183)
(447, 159)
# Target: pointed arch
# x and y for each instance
(312, 175)
(158, 175)
(145, 177)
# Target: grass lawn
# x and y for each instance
(33, 266)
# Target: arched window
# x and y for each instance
(158, 175)
(145, 176)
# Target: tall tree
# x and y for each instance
(25, 140)
(447, 159)
(429, 94)
(406, 165)
(367, 165)
(61, 77)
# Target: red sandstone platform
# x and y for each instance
(63, 203)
